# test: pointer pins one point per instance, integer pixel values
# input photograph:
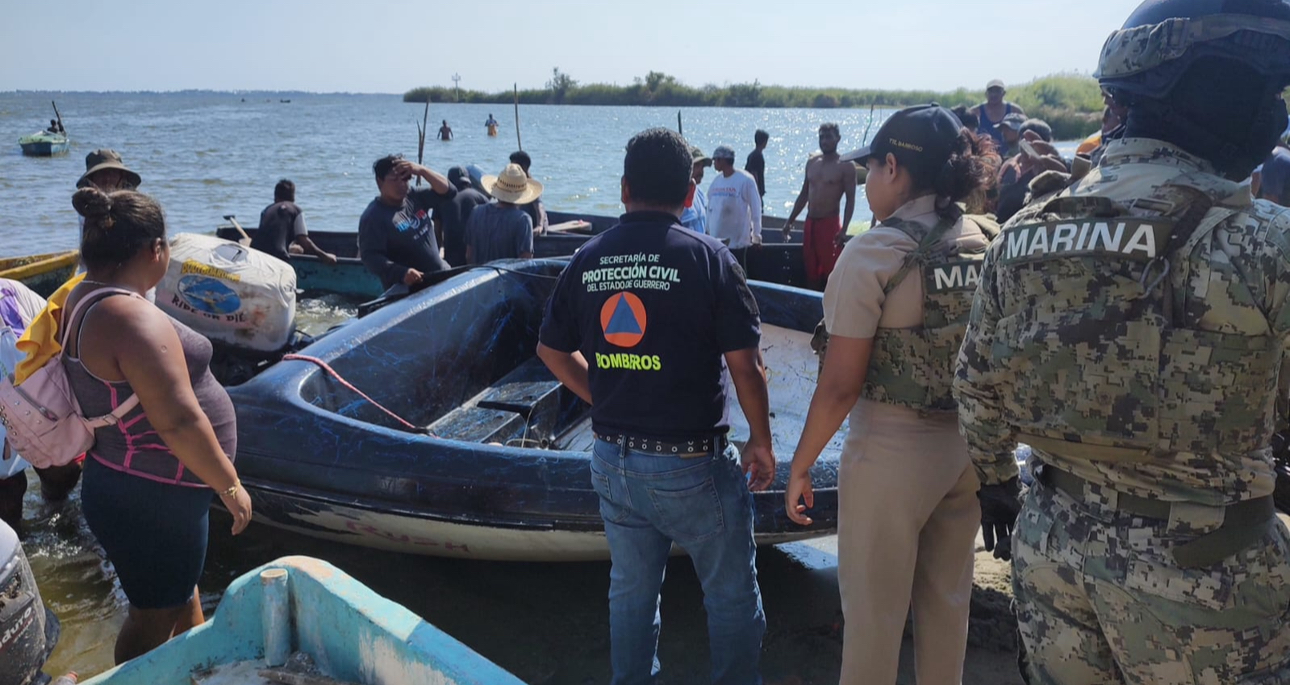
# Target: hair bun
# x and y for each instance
(95, 206)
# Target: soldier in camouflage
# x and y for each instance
(1130, 328)
(896, 307)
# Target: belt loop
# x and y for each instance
(622, 448)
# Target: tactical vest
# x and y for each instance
(1107, 359)
(914, 367)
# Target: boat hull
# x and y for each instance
(43, 273)
(44, 145)
(352, 633)
(506, 474)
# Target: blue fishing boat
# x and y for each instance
(44, 144)
(338, 629)
(483, 453)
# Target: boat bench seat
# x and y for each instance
(524, 403)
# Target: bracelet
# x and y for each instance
(237, 484)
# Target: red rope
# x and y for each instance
(337, 376)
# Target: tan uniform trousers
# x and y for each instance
(906, 538)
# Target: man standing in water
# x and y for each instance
(828, 180)
(991, 112)
(650, 357)
(445, 131)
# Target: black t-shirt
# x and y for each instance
(454, 214)
(392, 240)
(653, 306)
(280, 224)
(756, 165)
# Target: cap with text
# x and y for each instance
(917, 136)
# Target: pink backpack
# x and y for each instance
(42, 416)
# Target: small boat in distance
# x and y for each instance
(44, 144)
(340, 628)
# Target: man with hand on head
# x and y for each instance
(396, 238)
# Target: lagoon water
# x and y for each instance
(204, 155)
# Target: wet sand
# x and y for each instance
(547, 623)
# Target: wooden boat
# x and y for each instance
(349, 633)
(776, 261)
(497, 465)
(42, 273)
(44, 144)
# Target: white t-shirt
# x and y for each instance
(734, 209)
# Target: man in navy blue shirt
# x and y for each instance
(643, 325)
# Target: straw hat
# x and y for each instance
(513, 186)
(105, 158)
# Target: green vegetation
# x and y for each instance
(1070, 103)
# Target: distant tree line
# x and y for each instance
(1070, 103)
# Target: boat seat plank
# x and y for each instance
(479, 424)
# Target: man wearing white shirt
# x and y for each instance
(734, 207)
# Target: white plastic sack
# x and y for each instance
(10, 463)
(229, 293)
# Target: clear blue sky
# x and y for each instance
(389, 47)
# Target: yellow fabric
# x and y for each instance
(40, 341)
(1090, 144)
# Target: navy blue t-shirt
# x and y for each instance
(653, 307)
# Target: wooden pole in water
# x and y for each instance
(519, 143)
(679, 128)
(868, 126)
(421, 135)
(60, 117)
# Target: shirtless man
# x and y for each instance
(827, 180)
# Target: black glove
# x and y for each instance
(1281, 460)
(1000, 505)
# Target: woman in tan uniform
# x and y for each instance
(896, 308)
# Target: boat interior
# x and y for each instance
(459, 363)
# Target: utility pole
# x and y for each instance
(456, 83)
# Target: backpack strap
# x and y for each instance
(91, 298)
(918, 255)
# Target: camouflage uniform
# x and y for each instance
(1147, 381)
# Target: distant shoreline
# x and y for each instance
(1070, 103)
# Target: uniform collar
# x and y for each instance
(1151, 151)
(916, 208)
(651, 217)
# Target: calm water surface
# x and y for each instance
(205, 155)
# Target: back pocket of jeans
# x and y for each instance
(610, 510)
(691, 514)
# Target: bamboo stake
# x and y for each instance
(518, 142)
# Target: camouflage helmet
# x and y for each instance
(1162, 38)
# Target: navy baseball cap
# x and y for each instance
(917, 136)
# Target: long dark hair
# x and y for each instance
(961, 174)
(117, 225)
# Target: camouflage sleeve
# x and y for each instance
(976, 386)
(1275, 258)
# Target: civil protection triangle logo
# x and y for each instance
(623, 319)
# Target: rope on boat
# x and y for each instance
(325, 367)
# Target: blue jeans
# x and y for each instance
(701, 503)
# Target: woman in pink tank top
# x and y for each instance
(149, 480)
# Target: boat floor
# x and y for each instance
(248, 673)
(791, 369)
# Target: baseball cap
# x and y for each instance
(995, 83)
(917, 136)
(723, 152)
(697, 157)
(459, 177)
(1013, 121)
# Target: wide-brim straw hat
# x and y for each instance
(512, 185)
(105, 158)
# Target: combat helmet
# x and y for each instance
(1162, 38)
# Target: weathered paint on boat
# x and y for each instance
(44, 144)
(351, 633)
(505, 475)
(42, 273)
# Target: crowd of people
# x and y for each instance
(1128, 322)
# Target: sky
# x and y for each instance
(390, 47)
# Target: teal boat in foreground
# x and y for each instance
(309, 607)
(44, 144)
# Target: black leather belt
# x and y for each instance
(707, 445)
(1244, 523)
